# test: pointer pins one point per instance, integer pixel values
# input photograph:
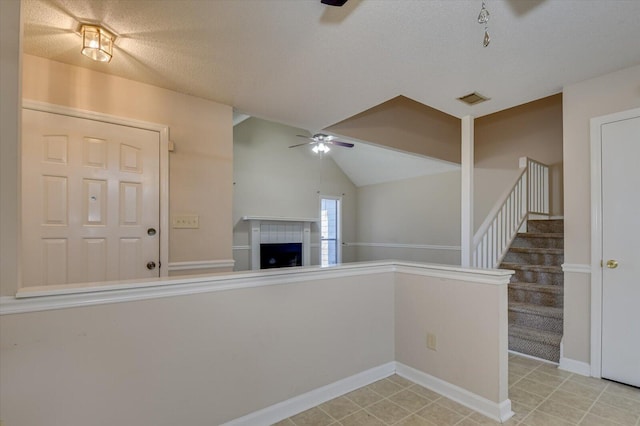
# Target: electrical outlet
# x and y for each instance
(431, 341)
(186, 222)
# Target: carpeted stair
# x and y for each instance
(536, 291)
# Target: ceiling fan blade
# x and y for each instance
(307, 137)
(344, 144)
(300, 144)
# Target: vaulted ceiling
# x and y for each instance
(309, 65)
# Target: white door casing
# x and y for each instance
(615, 148)
(93, 185)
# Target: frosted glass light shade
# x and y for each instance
(97, 43)
(320, 148)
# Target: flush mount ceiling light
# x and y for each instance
(97, 43)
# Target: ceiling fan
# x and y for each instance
(321, 142)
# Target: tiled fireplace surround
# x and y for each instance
(272, 230)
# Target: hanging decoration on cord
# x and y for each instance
(483, 19)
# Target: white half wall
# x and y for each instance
(208, 350)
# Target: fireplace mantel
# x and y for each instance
(281, 219)
(269, 229)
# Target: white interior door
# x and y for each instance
(90, 200)
(621, 244)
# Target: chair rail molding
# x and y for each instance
(578, 268)
(201, 264)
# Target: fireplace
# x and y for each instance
(278, 242)
(280, 255)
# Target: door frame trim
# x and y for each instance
(163, 132)
(596, 232)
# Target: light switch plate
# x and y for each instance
(186, 222)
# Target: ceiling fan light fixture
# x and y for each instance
(97, 43)
(320, 148)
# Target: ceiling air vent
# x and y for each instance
(473, 98)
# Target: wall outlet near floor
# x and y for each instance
(190, 221)
(431, 341)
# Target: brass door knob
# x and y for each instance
(612, 264)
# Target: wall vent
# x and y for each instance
(473, 98)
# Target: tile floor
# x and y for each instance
(541, 395)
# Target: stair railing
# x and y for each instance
(529, 195)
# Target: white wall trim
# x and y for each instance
(201, 264)
(466, 190)
(282, 410)
(574, 366)
(496, 277)
(546, 361)
(404, 246)
(163, 132)
(596, 232)
(34, 299)
(578, 268)
(497, 411)
(297, 404)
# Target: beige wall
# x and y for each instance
(531, 130)
(417, 211)
(607, 94)
(272, 180)
(407, 125)
(469, 322)
(9, 144)
(200, 169)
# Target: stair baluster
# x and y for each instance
(528, 196)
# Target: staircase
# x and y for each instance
(536, 289)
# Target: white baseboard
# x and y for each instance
(300, 403)
(535, 357)
(573, 366)
(497, 411)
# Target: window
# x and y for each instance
(330, 231)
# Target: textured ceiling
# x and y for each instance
(308, 65)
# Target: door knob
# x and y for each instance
(151, 232)
(151, 265)
(612, 264)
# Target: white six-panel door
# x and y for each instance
(90, 200)
(621, 251)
